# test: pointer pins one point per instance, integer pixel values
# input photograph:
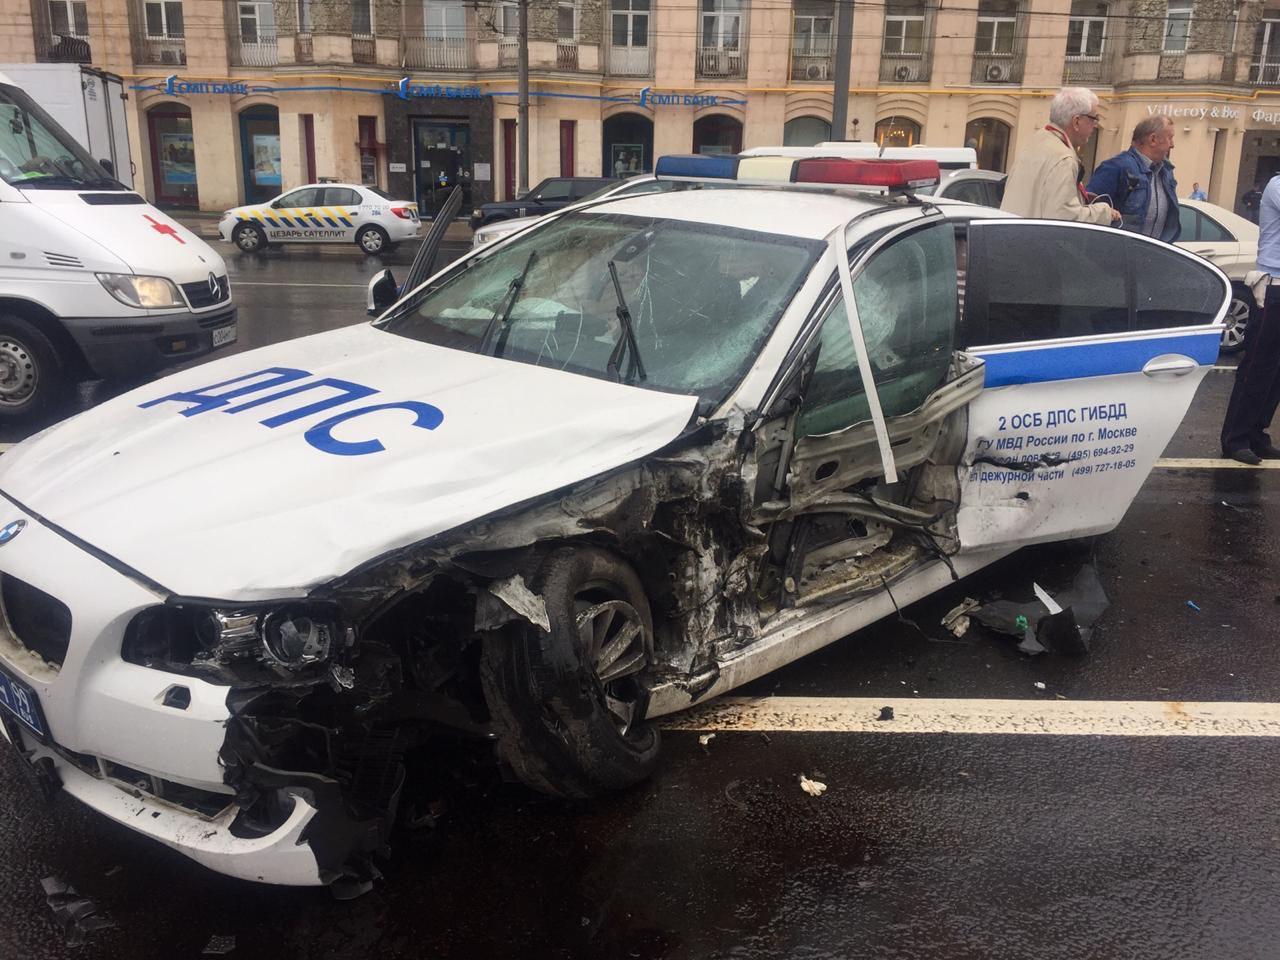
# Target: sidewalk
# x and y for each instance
(206, 225)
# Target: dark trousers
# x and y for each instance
(1256, 393)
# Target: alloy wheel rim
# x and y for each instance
(613, 640)
(1237, 320)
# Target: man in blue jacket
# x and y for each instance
(1140, 181)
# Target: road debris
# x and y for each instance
(1194, 606)
(886, 713)
(1039, 685)
(705, 739)
(1061, 623)
(78, 916)
(957, 620)
(813, 788)
(219, 946)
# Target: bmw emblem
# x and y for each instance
(11, 530)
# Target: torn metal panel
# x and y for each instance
(515, 599)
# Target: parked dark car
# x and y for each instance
(551, 194)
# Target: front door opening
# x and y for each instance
(441, 161)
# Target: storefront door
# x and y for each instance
(441, 161)
(173, 157)
(260, 153)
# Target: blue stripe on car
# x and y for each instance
(1097, 359)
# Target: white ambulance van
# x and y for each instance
(95, 283)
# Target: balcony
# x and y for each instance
(566, 54)
(1084, 71)
(304, 50)
(904, 68)
(1265, 73)
(364, 49)
(421, 51)
(812, 61)
(53, 47)
(715, 63)
(629, 61)
(997, 68)
(508, 51)
(259, 51)
(170, 51)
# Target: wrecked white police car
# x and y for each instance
(616, 464)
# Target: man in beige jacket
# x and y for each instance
(1045, 181)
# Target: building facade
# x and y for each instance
(236, 100)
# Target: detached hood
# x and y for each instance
(267, 473)
(151, 243)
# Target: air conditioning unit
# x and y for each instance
(906, 73)
(816, 71)
(169, 55)
(998, 73)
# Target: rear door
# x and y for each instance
(1094, 342)
(342, 207)
(293, 216)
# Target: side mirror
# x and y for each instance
(383, 292)
(108, 166)
(277, 203)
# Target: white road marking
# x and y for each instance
(1106, 718)
(269, 283)
(1217, 463)
(1221, 366)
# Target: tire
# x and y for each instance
(560, 729)
(34, 380)
(1239, 312)
(372, 239)
(249, 238)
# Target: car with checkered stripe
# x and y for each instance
(323, 213)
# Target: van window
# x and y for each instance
(906, 300)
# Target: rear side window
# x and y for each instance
(1210, 231)
(306, 197)
(341, 197)
(1036, 281)
(552, 190)
(970, 191)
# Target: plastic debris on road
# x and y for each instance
(1050, 623)
(1194, 606)
(218, 946)
(813, 788)
(78, 916)
(1039, 685)
(886, 713)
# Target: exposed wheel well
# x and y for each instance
(48, 324)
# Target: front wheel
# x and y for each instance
(249, 238)
(33, 379)
(1237, 319)
(372, 239)
(568, 705)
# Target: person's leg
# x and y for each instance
(1257, 388)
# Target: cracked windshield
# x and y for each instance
(699, 299)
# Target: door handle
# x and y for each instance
(1207, 254)
(1169, 365)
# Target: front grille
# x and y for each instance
(200, 295)
(40, 623)
(215, 320)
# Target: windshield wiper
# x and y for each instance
(627, 337)
(503, 313)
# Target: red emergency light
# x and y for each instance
(891, 174)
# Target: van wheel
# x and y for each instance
(249, 238)
(372, 239)
(568, 705)
(1237, 319)
(33, 380)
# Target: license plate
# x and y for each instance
(224, 335)
(21, 701)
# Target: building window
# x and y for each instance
(811, 32)
(566, 22)
(805, 132)
(990, 138)
(70, 18)
(897, 132)
(304, 16)
(446, 20)
(164, 19)
(1266, 53)
(361, 18)
(568, 139)
(997, 28)
(630, 23)
(904, 29)
(1086, 29)
(1177, 26)
(721, 24)
(257, 21)
(509, 21)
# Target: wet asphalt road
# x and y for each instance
(938, 845)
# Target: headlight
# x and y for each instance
(295, 639)
(141, 291)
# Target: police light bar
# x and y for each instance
(810, 172)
